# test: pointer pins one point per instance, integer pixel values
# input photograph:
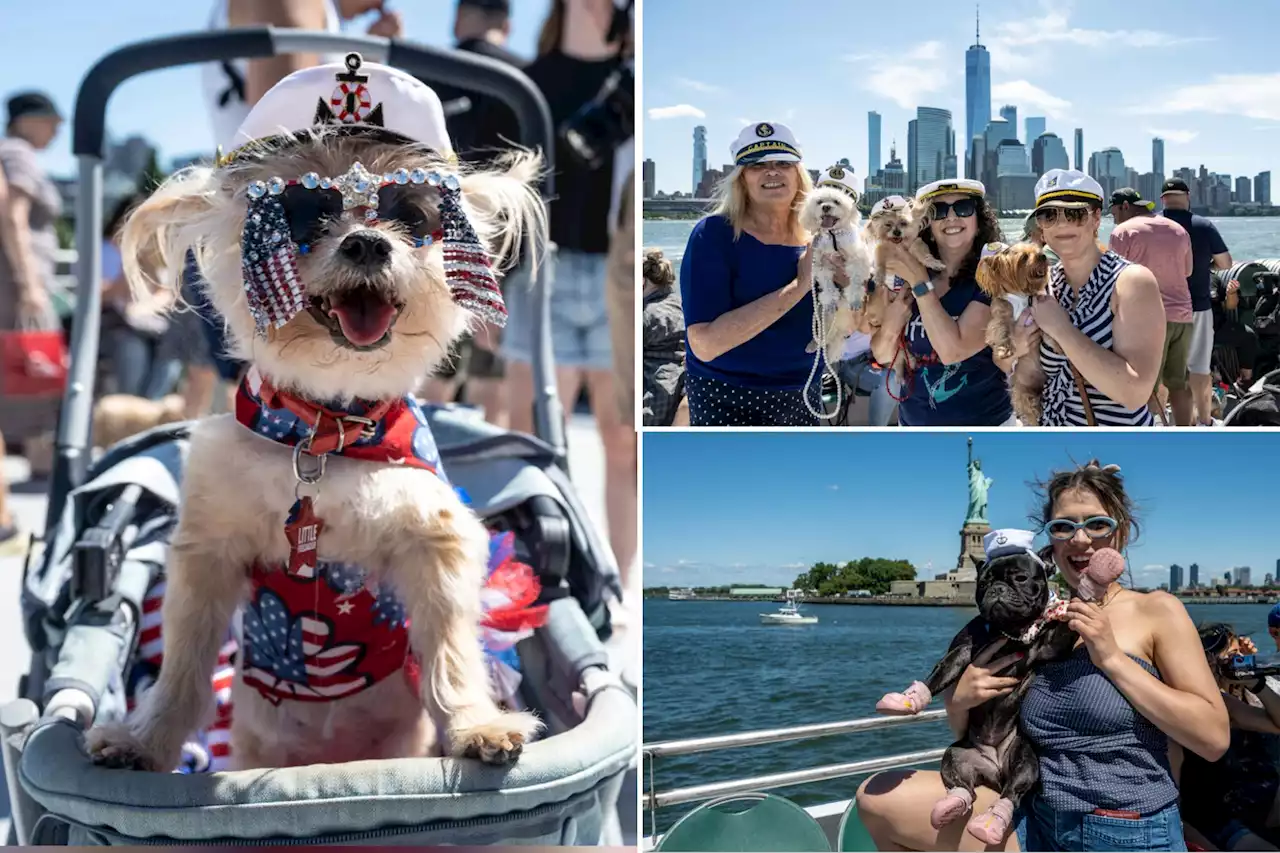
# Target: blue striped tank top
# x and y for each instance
(1092, 315)
(1095, 750)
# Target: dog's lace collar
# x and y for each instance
(1053, 611)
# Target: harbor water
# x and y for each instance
(1247, 237)
(711, 668)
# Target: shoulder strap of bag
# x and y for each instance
(1084, 395)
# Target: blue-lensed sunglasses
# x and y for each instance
(1098, 527)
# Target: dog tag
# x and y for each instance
(302, 529)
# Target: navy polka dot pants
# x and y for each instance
(713, 402)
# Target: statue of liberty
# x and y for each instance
(979, 484)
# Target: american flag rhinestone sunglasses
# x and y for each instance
(312, 201)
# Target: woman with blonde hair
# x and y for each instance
(745, 282)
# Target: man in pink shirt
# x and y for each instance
(1164, 247)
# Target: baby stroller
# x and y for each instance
(86, 583)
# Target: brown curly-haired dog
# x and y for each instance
(1013, 271)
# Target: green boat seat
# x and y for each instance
(746, 822)
(852, 834)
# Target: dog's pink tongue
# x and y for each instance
(364, 316)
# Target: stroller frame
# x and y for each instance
(104, 598)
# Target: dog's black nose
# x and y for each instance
(368, 250)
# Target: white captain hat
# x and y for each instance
(1067, 188)
(841, 178)
(1002, 543)
(889, 202)
(353, 94)
(765, 141)
(946, 186)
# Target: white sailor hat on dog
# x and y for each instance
(842, 179)
(1067, 188)
(889, 202)
(1002, 543)
(352, 94)
(965, 186)
(765, 141)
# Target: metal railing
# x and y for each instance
(654, 800)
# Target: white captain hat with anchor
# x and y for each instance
(1002, 543)
(889, 202)
(841, 178)
(1067, 188)
(764, 142)
(947, 186)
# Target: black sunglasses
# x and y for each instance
(1049, 215)
(310, 212)
(964, 208)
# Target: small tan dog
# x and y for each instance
(120, 416)
(1012, 276)
(894, 219)
(347, 251)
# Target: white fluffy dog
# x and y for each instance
(344, 285)
(830, 212)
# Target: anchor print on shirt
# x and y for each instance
(936, 377)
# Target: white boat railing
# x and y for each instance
(655, 799)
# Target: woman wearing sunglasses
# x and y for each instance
(1103, 313)
(939, 320)
(1100, 721)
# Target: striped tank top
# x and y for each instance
(1095, 750)
(1092, 315)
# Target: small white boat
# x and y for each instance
(789, 613)
(682, 595)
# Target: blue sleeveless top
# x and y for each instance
(1095, 750)
(719, 274)
(972, 393)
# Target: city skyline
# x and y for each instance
(1220, 124)
(803, 498)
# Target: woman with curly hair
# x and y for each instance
(934, 329)
(663, 341)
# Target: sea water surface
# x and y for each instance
(711, 668)
(1248, 237)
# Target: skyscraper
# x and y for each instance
(1079, 166)
(913, 162)
(1194, 579)
(1035, 128)
(1157, 156)
(1175, 578)
(1048, 152)
(977, 90)
(699, 155)
(932, 144)
(1010, 114)
(873, 143)
(1244, 576)
(1262, 195)
(1242, 190)
(650, 177)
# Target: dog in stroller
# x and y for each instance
(347, 251)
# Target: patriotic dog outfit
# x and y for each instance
(314, 630)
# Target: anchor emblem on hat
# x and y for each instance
(837, 173)
(764, 129)
(351, 102)
(1002, 539)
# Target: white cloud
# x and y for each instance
(1250, 95)
(796, 566)
(904, 78)
(1179, 136)
(1022, 45)
(699, 86)
(1031, 99)
(835, 487)
(678, 111)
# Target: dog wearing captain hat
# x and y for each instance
(830, 213)
(894, 219)
(347, 250)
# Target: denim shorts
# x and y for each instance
(1040, 828)
(579, 313)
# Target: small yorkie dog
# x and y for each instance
(1012, 276)
(896, 220)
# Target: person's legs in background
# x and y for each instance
(516, 349)
(1173, 371)
(131, 360)
(861, 374)
(486, 385)
(1198, 359)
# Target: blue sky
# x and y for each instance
(760, 507)
(50, 45)
(1207, 81)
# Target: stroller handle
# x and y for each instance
(455, 68)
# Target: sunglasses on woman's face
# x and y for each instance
(1049, 215)
(964, 208)
(1098, 527)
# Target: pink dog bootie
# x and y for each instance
(992, 825)
(914, 700)
(955, 805)
(1105, 566)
